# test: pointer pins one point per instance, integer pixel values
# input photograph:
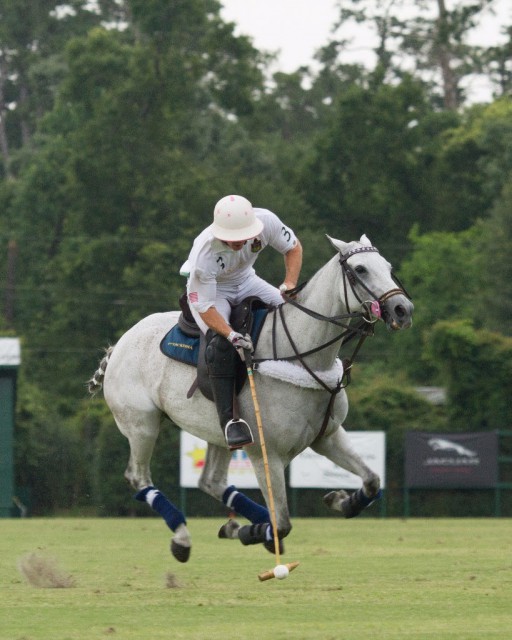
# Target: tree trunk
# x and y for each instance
(4, 144)
(10, 287)
(451, 100)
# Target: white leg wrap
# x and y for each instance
(151, 495)
(231, 498)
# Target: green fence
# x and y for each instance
(9, 362)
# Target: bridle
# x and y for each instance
(353, 279)
(369, 316)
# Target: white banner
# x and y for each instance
(192, 459)
(310, 470)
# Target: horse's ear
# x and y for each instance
(339, 245)
(364, 240)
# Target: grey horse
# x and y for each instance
(300, 339)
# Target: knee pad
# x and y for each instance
(221, 357)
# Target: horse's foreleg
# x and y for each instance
(338, 448)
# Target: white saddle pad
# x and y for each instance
(297, 375)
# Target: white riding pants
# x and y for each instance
(229, 295)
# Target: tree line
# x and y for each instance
(123, 122)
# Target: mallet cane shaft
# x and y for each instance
(272, 508)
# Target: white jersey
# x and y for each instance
(212, 264)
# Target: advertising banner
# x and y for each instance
(313, 471)
(192, 458)
(451, 460)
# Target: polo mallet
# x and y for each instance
(280, 571)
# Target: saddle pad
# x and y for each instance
(178, 346)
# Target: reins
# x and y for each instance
(364, 329)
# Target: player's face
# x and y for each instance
(236, 246)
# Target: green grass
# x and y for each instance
(358, 580)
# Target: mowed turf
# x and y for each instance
(366, 579)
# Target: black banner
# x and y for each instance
(451, 460)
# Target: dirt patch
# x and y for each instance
(43, 572)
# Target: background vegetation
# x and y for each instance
(122, 123)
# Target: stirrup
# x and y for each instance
(238, 434)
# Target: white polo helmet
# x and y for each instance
(234, 220)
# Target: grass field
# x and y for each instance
(358, 580)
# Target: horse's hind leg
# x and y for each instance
(142, 432)
(338, 448)
(142, 429)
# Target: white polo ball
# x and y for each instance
(281, 572)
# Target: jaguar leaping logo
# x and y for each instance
(439, 444)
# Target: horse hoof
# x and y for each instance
(181, 553)
(357, 502)
(334, 499)
(271, 547)
(229, 531)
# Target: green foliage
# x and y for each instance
(472, 166)
(443, 277)
(493, 304)
(478, 373)
(49, 463)
(117, 144)
(364, 170)
(112, 493)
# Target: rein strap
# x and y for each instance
(364, 329)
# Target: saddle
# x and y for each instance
(186, 343)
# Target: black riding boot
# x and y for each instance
(221, 360)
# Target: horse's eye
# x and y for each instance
(360, 269)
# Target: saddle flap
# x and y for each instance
(185, 342)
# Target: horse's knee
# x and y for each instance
(210, 489)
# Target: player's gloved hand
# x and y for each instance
(285, 289)
(241, 342)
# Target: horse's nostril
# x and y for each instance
(400, 311)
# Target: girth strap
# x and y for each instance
(300, 357)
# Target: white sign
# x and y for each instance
(311, 470)
(192, 459)
(10, 352)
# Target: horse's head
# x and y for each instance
(368, 283)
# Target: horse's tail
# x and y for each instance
(95, 383)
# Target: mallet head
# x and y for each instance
(281, 571)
